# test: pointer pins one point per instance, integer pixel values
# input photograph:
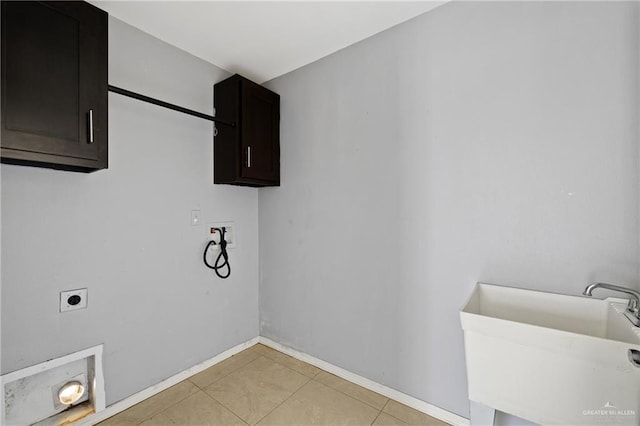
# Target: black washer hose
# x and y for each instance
(217, 266)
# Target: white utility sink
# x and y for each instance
(550, 358)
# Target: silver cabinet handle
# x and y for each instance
(90, 126)
(249, 156)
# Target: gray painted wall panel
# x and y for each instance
(481, 141)
(125, 233)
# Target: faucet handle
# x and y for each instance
(632, 306)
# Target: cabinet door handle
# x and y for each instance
(249, 156)
(90, 126)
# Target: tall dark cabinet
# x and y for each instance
(249, 153)
(54, 85)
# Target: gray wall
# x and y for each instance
(125, 233)
(492, 142)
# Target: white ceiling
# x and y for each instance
(264, 39)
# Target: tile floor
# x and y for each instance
(261, 386)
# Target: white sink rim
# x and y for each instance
(582, 315)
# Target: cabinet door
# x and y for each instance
(54, 81)
(260, 134)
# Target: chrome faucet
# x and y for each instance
(633, 307)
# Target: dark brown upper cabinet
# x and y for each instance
(54, 85)
(249, 153)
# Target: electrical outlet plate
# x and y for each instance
(230, 233)
(69, 299)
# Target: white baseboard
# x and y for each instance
(431, 410)
(132, 400)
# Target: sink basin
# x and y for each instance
(552, 358)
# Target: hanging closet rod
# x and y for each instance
(164, 104)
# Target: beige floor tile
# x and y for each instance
(257, 388)
(153, 405)
(261, 349)
(201, 410)
(386, 420)
(159, 420)
(286, 360)
(410, 416)
(263, 385)
(119, 420)
(358, 392)
(224, 368)
(317, 404)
